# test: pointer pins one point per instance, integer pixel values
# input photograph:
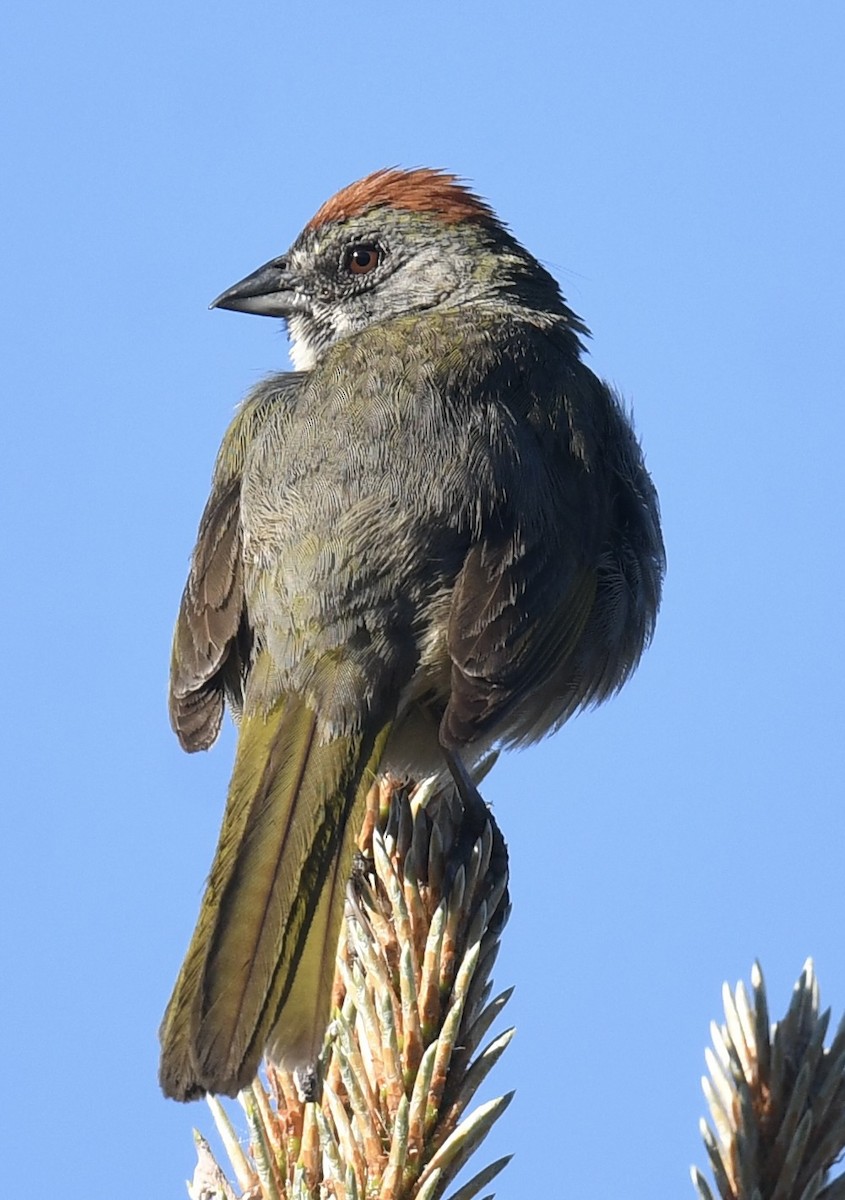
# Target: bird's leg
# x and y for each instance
(476, 816)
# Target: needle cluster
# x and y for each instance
(776, 1097)
(402, 1060)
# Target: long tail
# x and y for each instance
(259, 971)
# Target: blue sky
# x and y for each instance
(679, 167)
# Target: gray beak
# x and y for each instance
(266, 292)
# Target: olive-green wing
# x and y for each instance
(555, 614)
(518, 612)
(208, 653)
(212, 641)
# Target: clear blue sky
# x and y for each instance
(679, 166)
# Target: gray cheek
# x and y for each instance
(427, 282)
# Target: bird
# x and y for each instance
(436, 535)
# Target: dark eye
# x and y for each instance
(360, 260)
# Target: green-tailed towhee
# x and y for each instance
(435, 535)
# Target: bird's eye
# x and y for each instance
(362, 259)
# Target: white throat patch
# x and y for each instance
(302, 354)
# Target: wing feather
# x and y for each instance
(212, 641)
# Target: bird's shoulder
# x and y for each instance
(277, 394)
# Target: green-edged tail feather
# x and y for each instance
(259, 971)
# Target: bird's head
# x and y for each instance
(395, 243)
